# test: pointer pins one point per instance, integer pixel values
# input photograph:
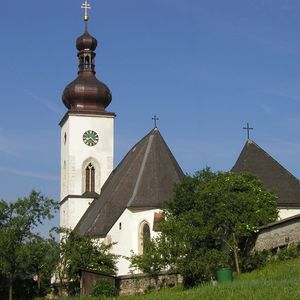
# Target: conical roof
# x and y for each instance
(274, 176)
(143, 179)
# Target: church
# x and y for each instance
(122, 205)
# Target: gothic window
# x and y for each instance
(90, 178)
(144, 236)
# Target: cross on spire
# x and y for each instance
(155, 119)
(248, 128)
(86, 6)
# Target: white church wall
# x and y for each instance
(127, 237)
(72, 210)
(74, 151)
(64, 148)
(288, 212)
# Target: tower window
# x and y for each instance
(90, 178)
(87, 62)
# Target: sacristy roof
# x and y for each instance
(274, 176)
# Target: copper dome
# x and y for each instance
(86, 93)
(86, 41)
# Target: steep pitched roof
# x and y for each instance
(143, 179)
(275, 177)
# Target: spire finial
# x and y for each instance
(155, 119)
(86, 6)
(248, 128)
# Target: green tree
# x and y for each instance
(239, 205)
(41, 256)
(17, 222)
(153, 260)
(210, 217)
(82, 252)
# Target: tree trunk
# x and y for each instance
(236, 255)
(39, 282)
(10, 291)
(60, 288)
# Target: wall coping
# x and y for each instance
(97, 272)
(141, 275)
(280, 222)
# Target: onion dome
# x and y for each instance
(86, 92)
(86, 41)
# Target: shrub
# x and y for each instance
(103, 288)
(254, 261)
(290, 252)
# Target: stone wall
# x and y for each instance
(140, 283)
(128, 284)
(278, 234)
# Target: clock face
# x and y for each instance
(90, 138)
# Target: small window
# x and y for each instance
(120, 226)
(87, 62)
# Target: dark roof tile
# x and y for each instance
(143, 179)
(274, 176)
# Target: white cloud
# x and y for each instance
(4, 146)
(46, 102)
(29, 174)
(288, 96)
(267, 109)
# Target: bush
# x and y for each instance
(290, 252)
(202, 266)
(254, 261)
(103, 288)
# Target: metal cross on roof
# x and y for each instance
(86, 6)
(248, 128)
(155, 119)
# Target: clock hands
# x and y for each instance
(90, 137)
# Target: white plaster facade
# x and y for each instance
(288, 212)
(72, 209)
(127, 235)
(76, 155)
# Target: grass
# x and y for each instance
(278, 280)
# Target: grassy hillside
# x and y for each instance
(278, 280)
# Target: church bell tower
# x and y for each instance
(87, 134)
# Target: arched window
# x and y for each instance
(87, 62)
(144, 236)
(90, 178)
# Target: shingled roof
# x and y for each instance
(143, 179)
(274, 176)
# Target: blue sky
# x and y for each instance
(206, 68)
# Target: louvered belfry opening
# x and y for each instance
(90, 178)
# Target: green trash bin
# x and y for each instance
(224, 275)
